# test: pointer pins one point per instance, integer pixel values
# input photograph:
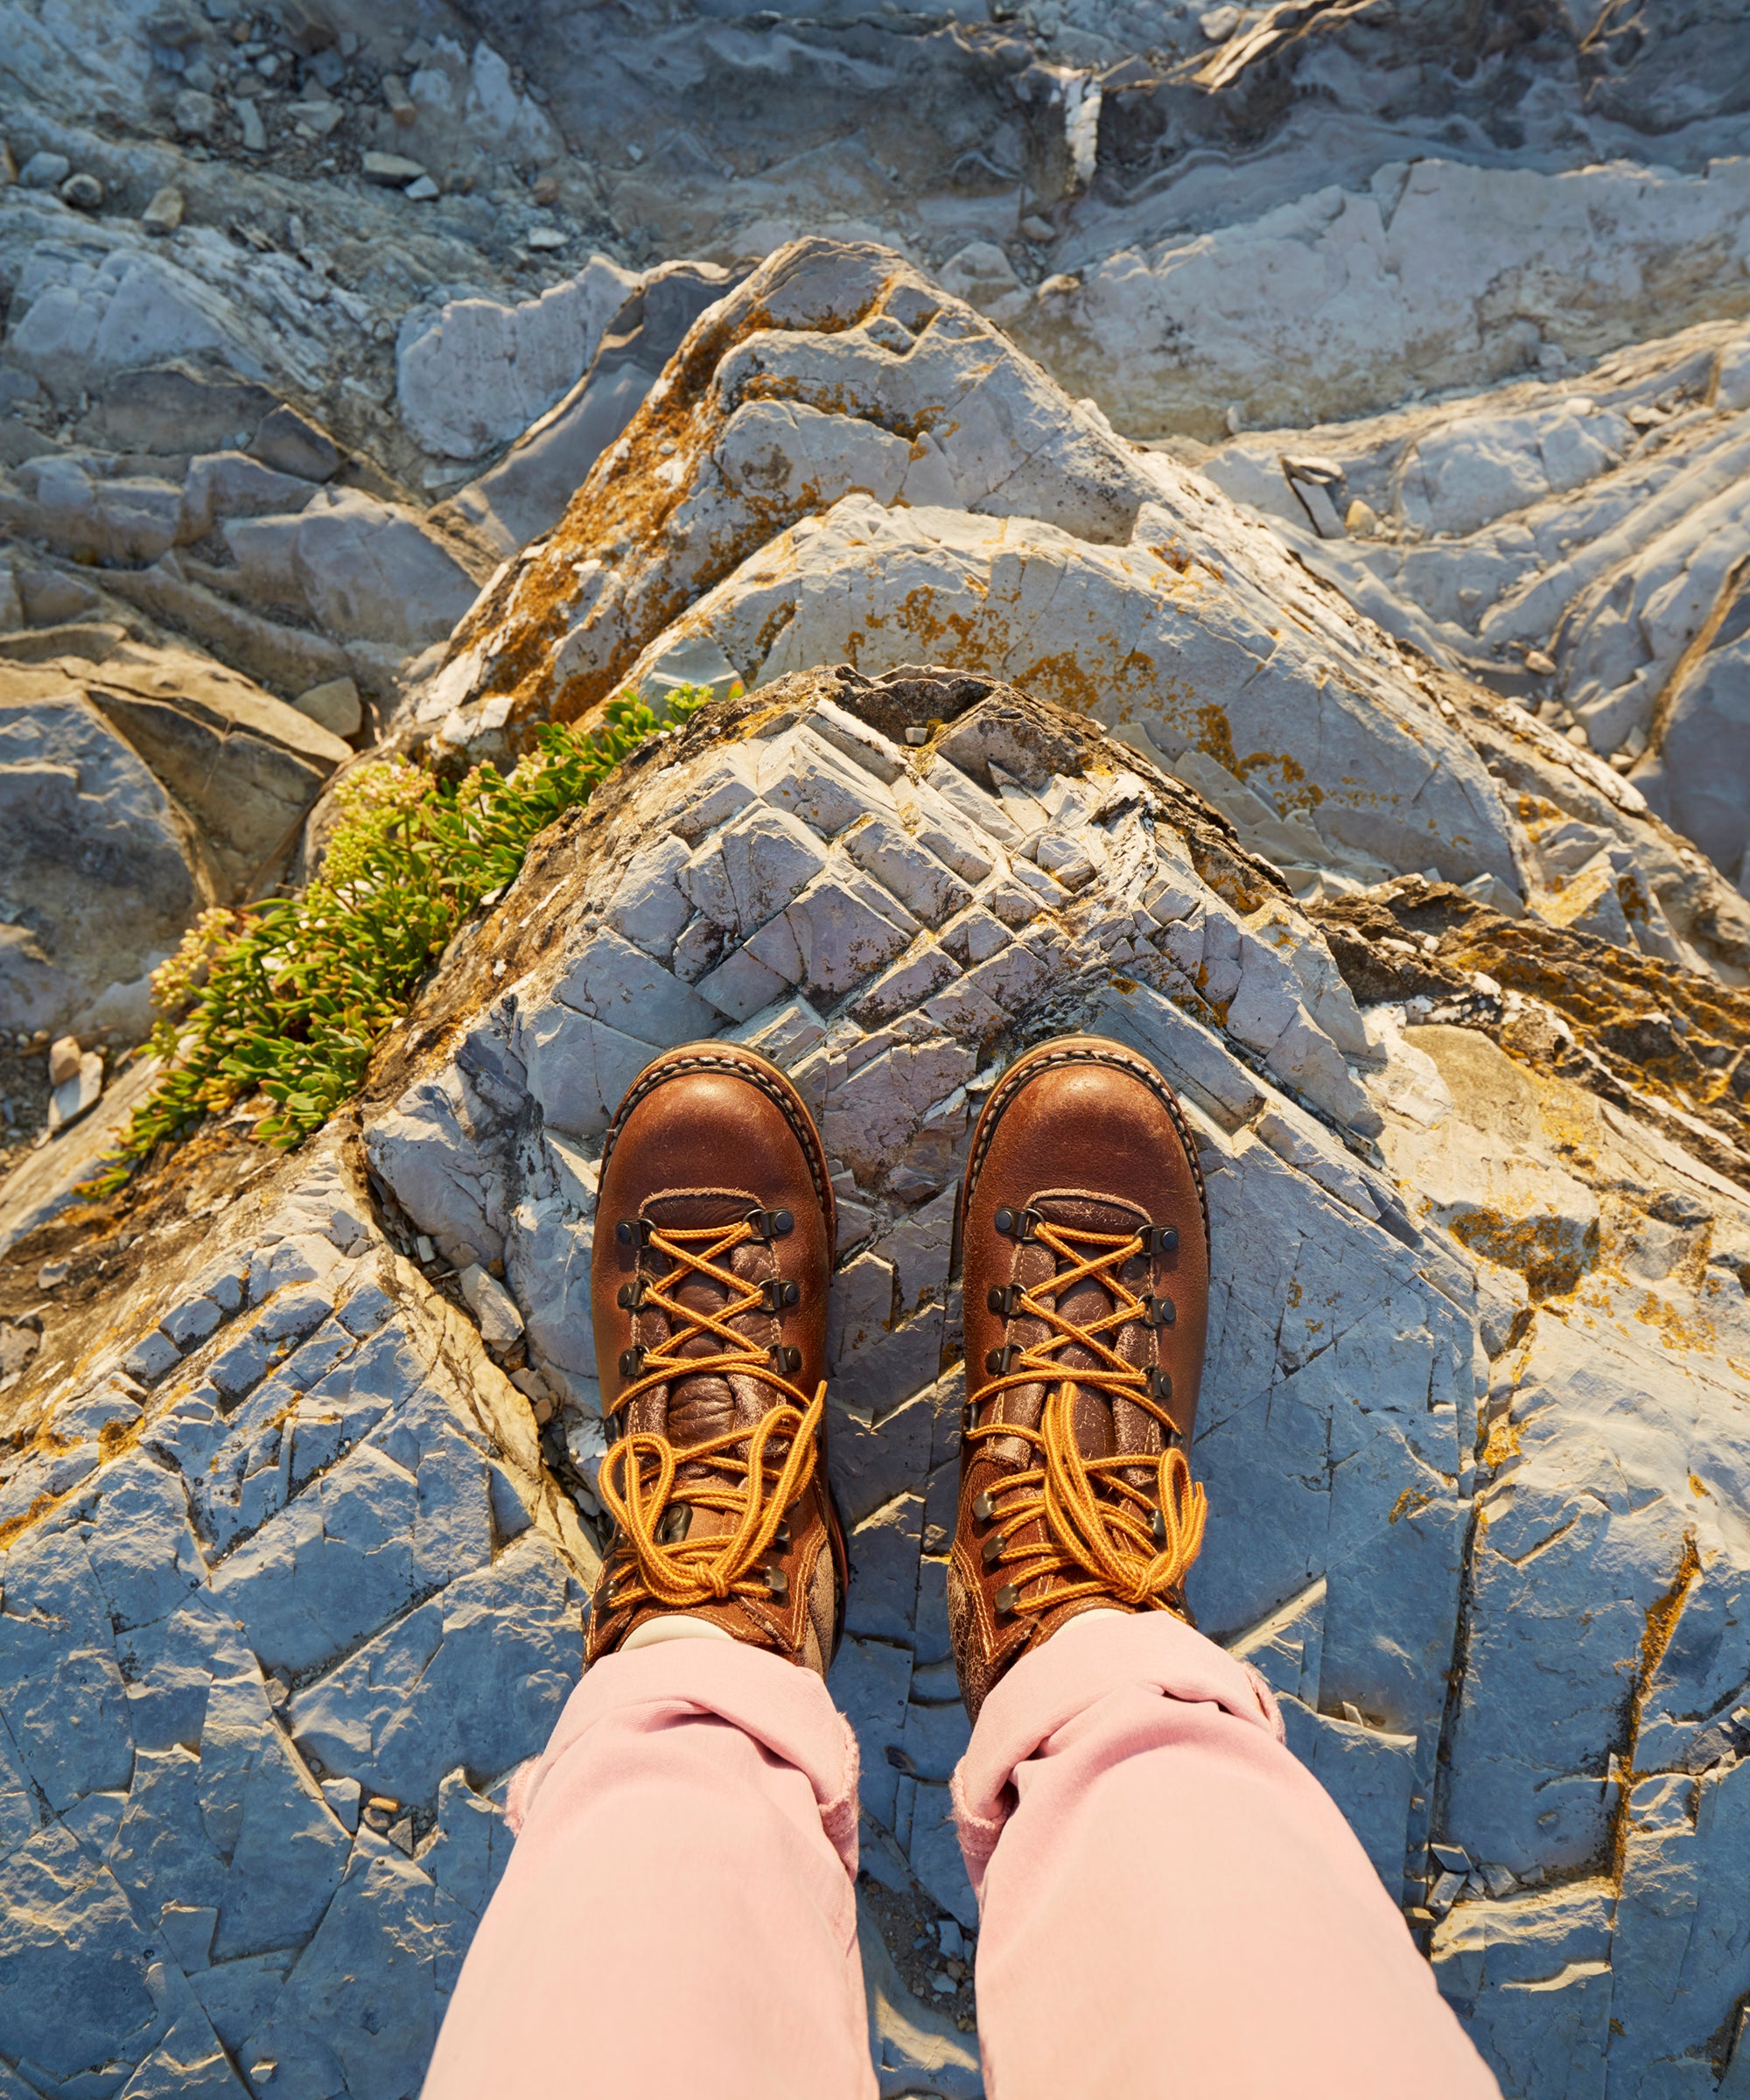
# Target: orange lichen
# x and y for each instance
(14, 1525)
(1545, 1250)
(1661, 1624)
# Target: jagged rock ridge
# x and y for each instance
(1401, 910)
(1491, 1250)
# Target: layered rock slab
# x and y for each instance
(977, 506)
(890, 921)
(843, 462)
(1434, 274)
(1476, 1343)
(1576, 542)
(137, 792)
(284, 1598)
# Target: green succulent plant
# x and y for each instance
(286, 998)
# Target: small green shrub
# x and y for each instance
(287, 997)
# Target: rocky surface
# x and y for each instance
(381, 384)
(1469, 1224)
(842, 462)
(287, 1596)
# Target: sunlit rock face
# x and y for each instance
(1381, 779)
(299, 1508)
(843, 463)
(287, 1597)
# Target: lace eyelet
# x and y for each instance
(1006, 1599)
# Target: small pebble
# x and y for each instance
(84, 193)
(164, 215)
(44, 170)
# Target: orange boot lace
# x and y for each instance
(751, 1474)
(1106, 1536)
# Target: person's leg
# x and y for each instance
(678, 1917)
(1171, 1903)
(1174, 1907)
(679, 1913)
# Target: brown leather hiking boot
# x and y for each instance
(1085, 1267)
(714, 1245)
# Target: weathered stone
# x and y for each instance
(138, 1653)
(1476, 1183)
(164, 215)
(526, 492)
(1224, 303)
(94, 859)
(291, 444)
(335, 706)
(479, 374)
(244, 764)
(372, 574)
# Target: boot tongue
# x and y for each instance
(1097, 1434)
(708, 1405)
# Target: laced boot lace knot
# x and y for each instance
(752, 1473)
(1106, 1534)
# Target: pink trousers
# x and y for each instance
(1170, 1903)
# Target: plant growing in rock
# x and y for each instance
(286, 998)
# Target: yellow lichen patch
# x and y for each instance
(1060, 677)
(1670, 1324)
(1662, 1622)
(1215, 738)
(116, 1436)
(1546, 1250)
(1662, 1031)
(1409, 1503)
(16, 1525)
(1504, 1441)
